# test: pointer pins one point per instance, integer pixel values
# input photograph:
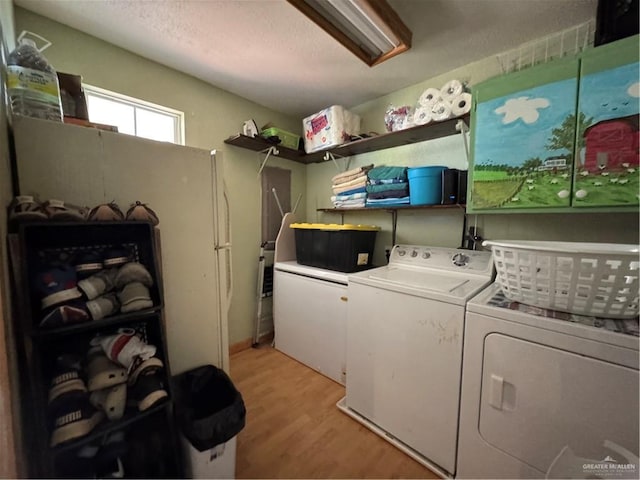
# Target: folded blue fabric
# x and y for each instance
(354, 190)
(386, 173)
(397, 193)
(352, 196)
(387, 202)
(386, 181)
(387, 186)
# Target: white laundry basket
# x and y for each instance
(596, 279)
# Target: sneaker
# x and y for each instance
(72, 416)
(64, 315)
(133, 272)
(106, 212)
(125, 347)
(66, 377)
(103, 306)
(57, 285)
(134, 296)
(59, 210)
(148, 390)
(114, 469)
(149, 366)
(112, 401)
(141, 212)
(109, 458)
(103, 372)
(116, 257)
(24, 208)
(98, 284)
(88, 264)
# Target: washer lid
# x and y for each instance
(418, 279)
(435, 284)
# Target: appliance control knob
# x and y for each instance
(414, 253)
(426, 255)
(460, 259)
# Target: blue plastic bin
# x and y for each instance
(425, 185)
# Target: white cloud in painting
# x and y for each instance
(524, 108)
(634, 90)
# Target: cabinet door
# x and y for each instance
(606, 164)
(310, 319)
(523, 129)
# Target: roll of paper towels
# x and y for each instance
(422, 115)
(429, 97)
(451, 89)
(441, 110)
(461, 105)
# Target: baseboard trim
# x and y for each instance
(248, 343)
(240, 346)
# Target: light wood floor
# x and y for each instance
(294, 430)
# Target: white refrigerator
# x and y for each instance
(183, 185)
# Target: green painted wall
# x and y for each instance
(11, 460)
(211, 115)
(444, 228)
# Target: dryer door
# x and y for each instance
(536, 400)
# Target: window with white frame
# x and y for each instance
(134, 116)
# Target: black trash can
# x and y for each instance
(210, 413)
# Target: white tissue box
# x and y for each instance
(328, 128)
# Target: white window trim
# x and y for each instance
(136, 102)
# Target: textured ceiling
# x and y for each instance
(268, 52)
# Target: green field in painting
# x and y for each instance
(491, 194)
(489, 175)
(542, 191)
(539, 189)
(612, 189)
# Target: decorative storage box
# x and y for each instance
(328, 128)
(595, 279)
(345, 248)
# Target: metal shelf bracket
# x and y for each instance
(332, 157)
(463, 128)
(268, 152)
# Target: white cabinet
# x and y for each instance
(310, 320)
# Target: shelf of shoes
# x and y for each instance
(91, 316)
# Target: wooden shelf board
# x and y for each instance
(108, 426)
(112, 321)
(258, 144)
(411, 135)
(390, 208)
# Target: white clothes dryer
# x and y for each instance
(404, 347)
(538, 384)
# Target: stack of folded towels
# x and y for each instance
(388, 186)
(349, 188)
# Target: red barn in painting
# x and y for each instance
(610, 143)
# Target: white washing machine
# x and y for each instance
(547, 393)
(404, 347)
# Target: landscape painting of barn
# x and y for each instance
(524, 147)
(606, 170)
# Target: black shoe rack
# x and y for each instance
(148, 442)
